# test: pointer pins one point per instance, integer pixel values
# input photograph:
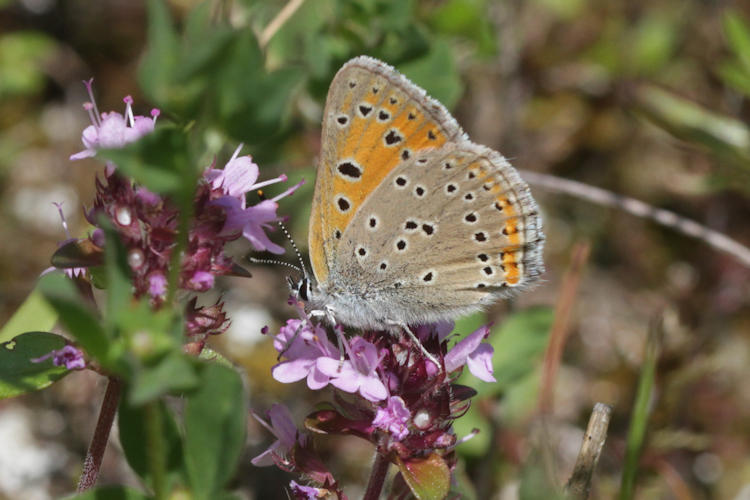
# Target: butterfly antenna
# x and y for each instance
(276, 262)
(302, 269)
(301, 261)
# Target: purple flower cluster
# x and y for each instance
(387, 390)
(147, 222)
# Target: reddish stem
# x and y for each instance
(377, 477)
(93, 461)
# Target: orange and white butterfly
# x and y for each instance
(411, 222)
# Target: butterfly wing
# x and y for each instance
(372, 116)
(447, 231)
(412, 222)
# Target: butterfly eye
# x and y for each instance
(304, 289)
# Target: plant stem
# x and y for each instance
(93, 461)
(155, 449)
(377, 477)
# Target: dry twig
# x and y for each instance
(579, 484)
(638, 208)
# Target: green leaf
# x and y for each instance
(468, 18)
(76, 315)
(18, 374)
(158, 161)
(688, 121)
(162, 53)
(22, 58)
(35, 314)
(251, 104)
(174, 373)
(210, 355)
(132, 425)
(428, 478)
(519, 344)
(109, 493)
(735, 75)
(738, 36)
(214, 429)
(437, 74)
(641, 413)
(119, 285)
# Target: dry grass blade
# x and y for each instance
(559, 330)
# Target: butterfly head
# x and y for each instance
(301, 289)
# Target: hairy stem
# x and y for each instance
(377, 477)
(93, 461)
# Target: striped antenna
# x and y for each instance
(302, 269)
(276, 262)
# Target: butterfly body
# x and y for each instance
(411, 221)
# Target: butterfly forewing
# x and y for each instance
(374, 121)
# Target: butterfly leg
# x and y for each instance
(328, 314)
(404, 327)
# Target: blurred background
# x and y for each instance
(644, 98)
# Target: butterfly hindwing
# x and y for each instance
(457, 229)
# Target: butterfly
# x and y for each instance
(411, 222)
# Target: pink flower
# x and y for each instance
(303, 345)
(157, 284)
(68, 356)
(112, 130)
(359, 372)
(471, 352)
(282, 426)
(302, 492)
(394, 418)
(233, 182)
(201, 281)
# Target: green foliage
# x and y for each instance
(725, 136)
(519, 343)
(18, 374)
(132, 422)
(215, 73)
(35, 314)
(160, 161)
(736, 71)
(78, 317)
(215, 416)
(110, 493)
(428, 478)
(640, 414)
(436, 72)
(21, 57)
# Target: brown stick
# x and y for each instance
(559, 330)
(579, 484)
(93, 461)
